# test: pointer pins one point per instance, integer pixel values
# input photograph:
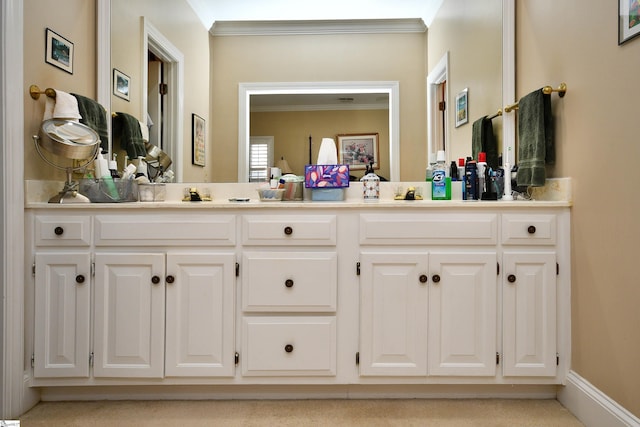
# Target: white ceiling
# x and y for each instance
(210, 11)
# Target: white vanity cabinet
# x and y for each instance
(428, 294)
(299, 294)
(159, 304)
(289, 295)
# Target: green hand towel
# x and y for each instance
(94, 115)
(535, 138)
(127, 127)
(484, 140)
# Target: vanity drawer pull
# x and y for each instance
(58, 231)
(289, 283)
(80, 279)
(423, 278)
(436, 278)
(511, 278)
(155, 280)
(288, 231)
(170, 279)
(531, 229)
(288, 348)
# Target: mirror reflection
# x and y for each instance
(208, 69)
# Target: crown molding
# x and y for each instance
(344, 26)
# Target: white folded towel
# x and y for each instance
(328, 153)
(145, 131)
(64, 106)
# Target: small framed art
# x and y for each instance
(121, 84)
(197, 140)
(462, 107)
(628, 20)
(358, 150)
(58, 51)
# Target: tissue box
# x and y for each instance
(326, 176)
(327, 194)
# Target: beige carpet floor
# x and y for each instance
(412, 412)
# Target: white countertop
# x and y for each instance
(557, 193)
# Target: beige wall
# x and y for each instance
(472, 34)
(179, 24)
(306, 58)
(291, 130)
(597, 145)
(75, 22)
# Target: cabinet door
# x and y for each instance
(393, 314)
(62, 298)
(129, 315)
(529, 320)
(462, 313)
(200, 314)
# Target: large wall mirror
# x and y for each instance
(218, 101)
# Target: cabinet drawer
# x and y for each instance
(289, 346)
(289, 230)
(289, 281)
(156, 230)
(428, 229)
(62, 230)
(525, 229)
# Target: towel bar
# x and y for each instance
(562, 90)
(35, 92)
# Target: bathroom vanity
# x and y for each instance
(299, 293)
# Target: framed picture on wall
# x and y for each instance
(121, 84)
(197, 140)
(358, 150)
(628, 20)
(462, 107)
(58, 51)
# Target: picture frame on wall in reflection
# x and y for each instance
(59, 51)
(628, 20)
(198, 140)
(462, 107)
(121, 84)
(358, 150)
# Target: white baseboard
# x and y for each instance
(591, 406)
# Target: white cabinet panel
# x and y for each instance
(529, 310)
(393, 317)
(290, 281)
(200, 314)
(462, 313)
(129, 315)
(529, 229)
(288, 230)
(289, 346)
(62, 322)
(58, 230)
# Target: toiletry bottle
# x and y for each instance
(102, 167)
(453, 171)
(370, 185)
(471, 180)
(141, 170)
(461, 169)
(441, 183)
(113, 168)
(429, 174)
(482, 168)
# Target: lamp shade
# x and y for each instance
(283, 165)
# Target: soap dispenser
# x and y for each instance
(371, 185)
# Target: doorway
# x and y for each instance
(437, 117)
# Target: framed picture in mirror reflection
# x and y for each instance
(121, 84)
(358, 150)
(628, 20)
(462, 107)
(197, 140)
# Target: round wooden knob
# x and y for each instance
(423, 278)
(170, 279)
(288, 283)
(80, 278)
(531, 229)
(58, 231)
(288, 231)
(288, 348)
(155, 280)
(436, 278)
(511, 278)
